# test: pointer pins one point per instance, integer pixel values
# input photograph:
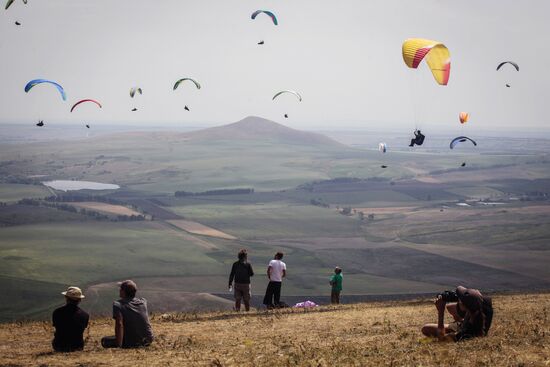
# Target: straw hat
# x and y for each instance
(73, 293)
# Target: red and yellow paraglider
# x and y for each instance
(437, 57)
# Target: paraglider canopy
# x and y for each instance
(189, 79)
(135, 90)
(83, 101)
(288, 91)
(460, 139)
(271, 15)
(516, 66)
(464, 117)
(9, 2)
(34, 82)
(437, 57)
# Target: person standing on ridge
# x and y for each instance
(241, 272)
(70, 322)
(336, 283)
(276, 271)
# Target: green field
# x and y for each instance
(15, 192)
(274, 220)
(412, 238)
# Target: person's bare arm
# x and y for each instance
(284, 273)
(269, 272)
(119, 330)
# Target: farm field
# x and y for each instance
(15, 192)
(106, 208)
(274, 220)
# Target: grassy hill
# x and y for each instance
(374, 334)
(256, 128)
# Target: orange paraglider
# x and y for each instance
(464, 117)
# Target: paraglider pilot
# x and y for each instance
(418, 138)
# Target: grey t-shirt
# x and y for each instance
(135, 319)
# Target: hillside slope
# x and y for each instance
(376, 334)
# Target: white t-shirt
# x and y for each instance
(277, 267)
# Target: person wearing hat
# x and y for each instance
(132, 326)
(472, 312)
(336, 283)
(70, 322)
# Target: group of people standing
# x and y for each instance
(472, 312)
(241, 271)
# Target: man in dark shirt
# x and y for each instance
(70, 322)
(241, 272)
(418, 138)
(132, 326)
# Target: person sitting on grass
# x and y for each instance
(70, 322)
(132, 326)
(472, 312)
(336, 283)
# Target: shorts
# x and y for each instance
(242, 291)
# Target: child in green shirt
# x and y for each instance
(336, 283)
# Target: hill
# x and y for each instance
(375, 334)
(260, 129)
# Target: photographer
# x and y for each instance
(472, 312)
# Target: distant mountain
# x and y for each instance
(260, 129)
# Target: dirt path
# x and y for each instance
(200, 229)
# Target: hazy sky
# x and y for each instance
(344, 57)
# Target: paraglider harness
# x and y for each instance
(418, 138)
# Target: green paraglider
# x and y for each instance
(189, 79)
(135, 90)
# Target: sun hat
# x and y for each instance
(73, 293)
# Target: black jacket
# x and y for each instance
(241, 272)
(69, 322)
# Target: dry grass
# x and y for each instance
(376, 334)
(106, 208)
(200, 229)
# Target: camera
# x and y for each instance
(448, 296)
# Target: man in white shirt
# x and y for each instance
(276, 271)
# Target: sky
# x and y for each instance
(344, 57)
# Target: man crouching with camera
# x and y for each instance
(472, 313)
